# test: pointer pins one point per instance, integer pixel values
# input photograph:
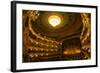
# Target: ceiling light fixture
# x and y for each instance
(54, 20)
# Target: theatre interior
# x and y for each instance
(55, 36)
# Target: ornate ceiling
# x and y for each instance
(71, 24)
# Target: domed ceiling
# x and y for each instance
(70, 24)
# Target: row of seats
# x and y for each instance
(34, 55)
(38, 49)
(40, 43)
